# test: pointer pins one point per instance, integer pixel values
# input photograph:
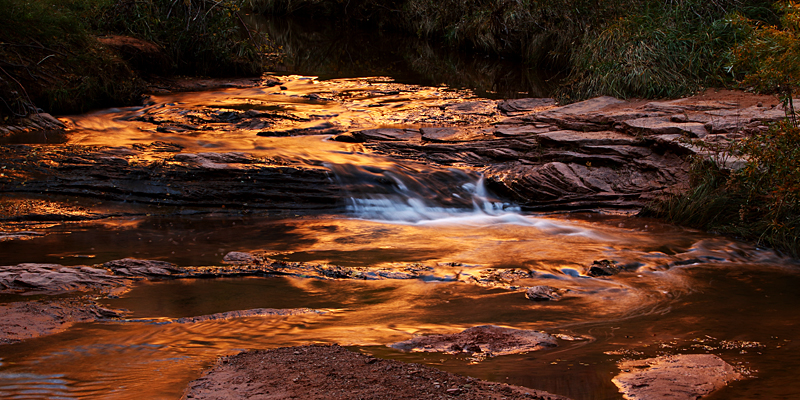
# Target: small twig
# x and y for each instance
(51, 55)
(35, 47)
(23, 90)
(210, 8)
(10, 64)
(246, 28)
(11, 109)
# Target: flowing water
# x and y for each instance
(682, 291)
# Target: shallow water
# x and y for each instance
(682, 290)
(726, 291)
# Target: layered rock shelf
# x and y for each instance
(599, 153)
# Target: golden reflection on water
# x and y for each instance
(638, 310)
(678, 285)
(344, 104)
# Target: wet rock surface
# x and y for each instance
(155, 174)
(542, 293)
(679, 377)
(30, 319)
(55, 278)
(599, 153)
(24, 127)
(256, 312)
(488, 339)
(333, 372)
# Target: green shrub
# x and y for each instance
(50, 58)
(769, 60)
(760, 202)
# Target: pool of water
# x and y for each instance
(684, 291)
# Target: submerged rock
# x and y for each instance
(542, 293)
(677, 377)
(489, 339)
(30, 319)
(32, 278)
(138, 267)
(603, 268)
(256, 312)
(238, 257)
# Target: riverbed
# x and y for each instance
(473, 252)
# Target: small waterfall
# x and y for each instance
(400, 193)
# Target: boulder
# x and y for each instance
(542, 293)
(603, 268)
(490, 339)
(676, 377)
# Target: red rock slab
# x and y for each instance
(489, 339)
(30, 319)
(676, 377)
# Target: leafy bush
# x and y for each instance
(769, 60)
(759, 202)
(770, 186)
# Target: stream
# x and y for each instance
(681, 291)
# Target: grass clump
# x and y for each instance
(759, 202)
(48, 58)
(663, 50)
(200, 37)
(52, 54)
(623, 48)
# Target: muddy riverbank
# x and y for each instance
(325, 372)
